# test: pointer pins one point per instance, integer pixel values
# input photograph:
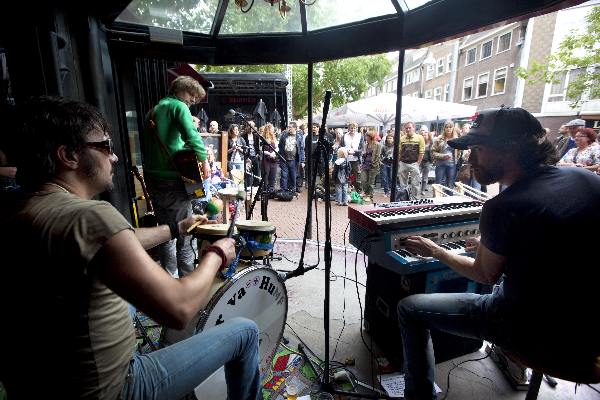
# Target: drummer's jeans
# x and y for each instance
(462, 314)
(173, 372)
(171, 203)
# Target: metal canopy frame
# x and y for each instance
(403, 30)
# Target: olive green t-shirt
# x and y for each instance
(70, 328)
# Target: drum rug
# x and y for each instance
(291, 366)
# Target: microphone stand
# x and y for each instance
(322, 154)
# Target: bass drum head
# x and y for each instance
(257, 294)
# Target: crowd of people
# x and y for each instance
(369, 157)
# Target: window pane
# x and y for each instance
(261, 18)
(471, 56)
(468, 89)
(440, 66)
(486, 49)
(573, 74)
(504, 42)
(184, 15)
(558, 83)
(328, 13)
(482, 84)
(500, 81)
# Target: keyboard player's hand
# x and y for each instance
(471, 244)
(422, 246)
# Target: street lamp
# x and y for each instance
(429, 60)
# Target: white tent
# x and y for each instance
(341, 116)
(381, 110)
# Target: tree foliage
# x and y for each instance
(577, 50)
(348, 79)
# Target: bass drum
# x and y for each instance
(254, 293)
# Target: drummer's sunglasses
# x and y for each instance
(105, 145)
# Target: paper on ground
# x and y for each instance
(393, 384)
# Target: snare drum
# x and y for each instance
(258, 236)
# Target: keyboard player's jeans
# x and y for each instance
(463, 314)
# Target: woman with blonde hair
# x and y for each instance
(269, 162)
(444, 156)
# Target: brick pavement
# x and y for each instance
(289, 217)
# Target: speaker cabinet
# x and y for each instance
(385, 288)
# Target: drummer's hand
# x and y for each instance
(228, 247)
(421, 246)
(472, 244)
(185, 224)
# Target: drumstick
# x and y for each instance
(194, 226)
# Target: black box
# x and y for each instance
(385, 288)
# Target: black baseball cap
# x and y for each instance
(500, 128)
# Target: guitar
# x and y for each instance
(149, 219)
(190, 169)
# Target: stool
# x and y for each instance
(570, 369)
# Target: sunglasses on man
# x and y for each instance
(105, 145)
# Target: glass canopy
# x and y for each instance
(264, 16)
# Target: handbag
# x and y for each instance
(463, 173)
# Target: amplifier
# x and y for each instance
(385, 288)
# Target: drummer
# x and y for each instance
(84, 262)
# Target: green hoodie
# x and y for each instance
(176, 130)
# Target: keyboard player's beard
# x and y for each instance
(488, 174)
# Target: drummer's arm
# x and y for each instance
(127, 269)
(151, 237)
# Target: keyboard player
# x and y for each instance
(542, 308)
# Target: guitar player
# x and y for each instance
(173, 129)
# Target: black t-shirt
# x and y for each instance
(546, 225)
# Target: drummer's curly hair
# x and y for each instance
(42, 125)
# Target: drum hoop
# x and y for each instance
(258, 229)
(219, 293)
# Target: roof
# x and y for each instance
(217, 32)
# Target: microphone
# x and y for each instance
(233, 113)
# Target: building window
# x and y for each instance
(430, 70)
(437, 93)
(447, 92)
(504, 42)
(449, 63)
(482, 84)
(499, 81)
(428, 94)
(558, 90)
(411, 76)
(440, 67)
(471, 56)
(486, 50)
(467, 89)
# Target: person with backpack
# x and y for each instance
(341, 175)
